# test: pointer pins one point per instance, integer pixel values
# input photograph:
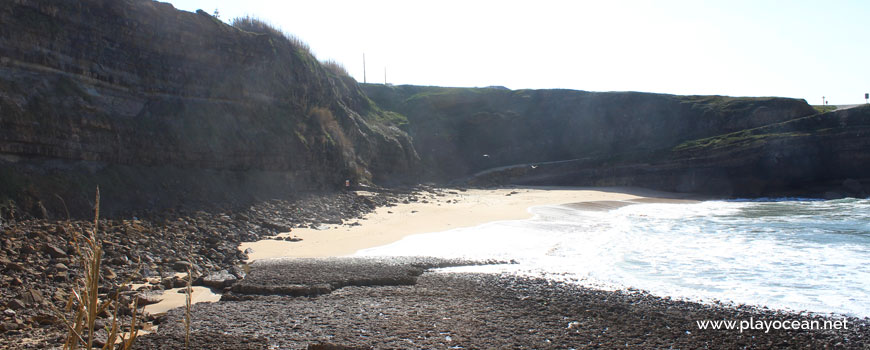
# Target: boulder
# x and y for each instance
(54, 251)
(219, 280)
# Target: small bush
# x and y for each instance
(256, 25)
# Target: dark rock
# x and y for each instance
(33, 297)
(16, 304)
(219, 280)
(44, 319)
(8, 326)
(330, 346)
(276, 226)
(147, 298)
(182, 266)
(54, 251)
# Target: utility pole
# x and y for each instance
(364, 68)
(823, 100)
(385, 75)
(867, 97)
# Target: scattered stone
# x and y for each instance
(147, 298)
(33, 297)
(182, 266)
(219, 280)
(16, 304)
(54, 251)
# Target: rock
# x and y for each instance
(60, 267)
(238, 272)
(147, 298)
(219, 280)
(8, 326)
(109, 273)
(9, 312)
(33, 296)
(16, 304)
(182, 266)
(330, 346)
(44, 319)
(276, 226)
(54, 251)
(249, 251)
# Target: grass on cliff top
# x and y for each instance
(824, 109)
(435, 91)
(815, 124)
(335, 68)
(725, 104)
(737, 139)
(256, 25)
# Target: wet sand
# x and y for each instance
(448, 210)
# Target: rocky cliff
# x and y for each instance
(781, 147)
(161, 106)
(825, 155)
(462, 131)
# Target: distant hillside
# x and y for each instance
(162, 107)
(461, 131)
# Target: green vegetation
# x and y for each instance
(256, 25)
(725, 104)
(335, 68)
(739, 138)
(443, 92)
(825, 108)
(392, 118)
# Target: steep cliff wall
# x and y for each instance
(824, 155)
(461, 131)
(103, 90)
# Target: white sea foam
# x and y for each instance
(785, 254)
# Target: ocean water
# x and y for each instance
(790, 254)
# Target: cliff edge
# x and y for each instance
(163, 107)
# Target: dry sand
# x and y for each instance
(454, 210)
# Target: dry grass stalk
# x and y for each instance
(187, 308)
(84, 301)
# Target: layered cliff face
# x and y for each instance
(461, 131)
(142, 97)
(702, 144)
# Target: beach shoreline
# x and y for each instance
(442, 210)
(394, 303)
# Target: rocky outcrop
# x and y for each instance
(140, 96)
(824, 155)
(461, 131)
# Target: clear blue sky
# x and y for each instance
(801, 49)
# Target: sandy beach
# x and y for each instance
(447, 209)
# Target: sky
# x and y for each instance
(800, 49)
